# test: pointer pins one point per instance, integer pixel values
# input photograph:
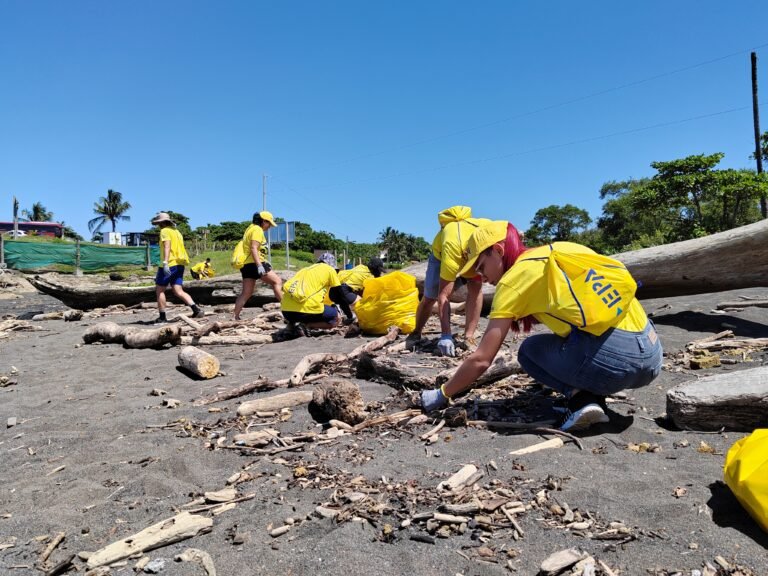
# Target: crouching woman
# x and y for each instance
(582, 366)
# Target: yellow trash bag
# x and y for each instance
(390, 300)
(746, 473)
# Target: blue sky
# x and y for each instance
(364, 114)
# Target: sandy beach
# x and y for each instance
(95, 455)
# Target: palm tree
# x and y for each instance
(38, 214)
(109, 209)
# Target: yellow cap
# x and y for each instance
(482, 238)
(267, 217)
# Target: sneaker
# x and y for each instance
(161, 320)
(298, 328)
(198, 313)
(584, 410)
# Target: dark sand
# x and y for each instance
(88, 408)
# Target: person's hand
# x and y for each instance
(261, 269)
(166, 268)
(351, 320)
(432, 400)
(446, 346)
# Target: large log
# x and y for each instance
(733, 400)
(728, 260)
(88, 294)
(131, 337)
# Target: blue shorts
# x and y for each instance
(329, 316)
(176, 277)
(432, 278)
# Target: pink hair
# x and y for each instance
(513, 248)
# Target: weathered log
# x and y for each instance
(395, 374)
(259, 385)
(198, 362)
(337, 400)
(736, 304)
(503, 365)
(546, 445)
(311, 361)
(277, 402)
(86, 295)
(734, 401)
(131, 337)
(180, 527)
(66, 315)
(376, 344)
(234, 340)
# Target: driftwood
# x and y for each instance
(337, 400)
(234, 340)
(259, 385)
(373, 345)
(503, 365)
(180, 527)
(199, 362)
(736, 304)
(311, 361)
(387, 419)
(277, 402)
(734, 401)
(395, 373)
(131, 337)
(84, 295)
(546, 445)
(66, 315)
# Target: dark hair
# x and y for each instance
(257, 219)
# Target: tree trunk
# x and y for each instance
(274, 403)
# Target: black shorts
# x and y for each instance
(251, 271)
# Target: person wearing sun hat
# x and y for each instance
(582, 366)
(171, 272)
(443, 271)
(256, 266)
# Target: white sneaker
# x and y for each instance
(583, 418)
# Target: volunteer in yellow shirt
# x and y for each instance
(304, 294)
(171, 272)
(202, 270)
(584, 367)
(256, 266)
(356, 277)
(443, 271)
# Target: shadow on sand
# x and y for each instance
(703, 322)
(728, 513)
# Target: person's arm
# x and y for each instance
(471, 369)
(444, 306)
(255, 246)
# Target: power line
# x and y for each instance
(534, 150)
(530, 112)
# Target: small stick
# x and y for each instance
(191, 323)
(61, 567)
(57, 539)
(434, 430)
(212, 506)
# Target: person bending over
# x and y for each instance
(582, 366)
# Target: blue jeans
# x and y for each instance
(603, 365)
(432, 278)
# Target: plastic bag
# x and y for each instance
(746, 474)
(390, 300)
(238, 256)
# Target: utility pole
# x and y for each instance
(264, 207)
(756, 117)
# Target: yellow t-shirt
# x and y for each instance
(314, 282)
(254, 233)
(450, 244)
(523, 291)
(355, 277)
(178, 254)
(201, 267)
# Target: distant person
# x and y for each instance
(443, 267)
(171, 272)
(256, 266)
(202, 270)
(304, 294)
(585, 363)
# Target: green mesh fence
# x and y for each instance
(30, 255)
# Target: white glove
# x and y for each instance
(446, 346)
(261, 269)
(166, 268)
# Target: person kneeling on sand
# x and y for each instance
(171, 272)
(582, 366)
(202, 270)
(303, 296)
(256, 266)
(355, 277)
